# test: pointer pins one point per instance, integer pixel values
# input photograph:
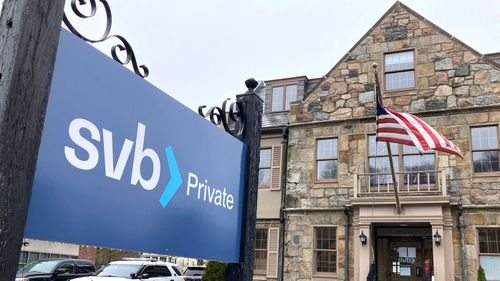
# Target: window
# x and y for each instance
(414, 168)
(489, 252)
(162, 271)
(485, 149)
(260, 263)
(270, 168)
(326, 159)
(414, 162)
(325, 250)
(399, 70)
(265, 168)
(84, 268)
(283, 96)
(177, 270)
(69, 268)
(150, 271)
(32, 256)
(378, 162)
(23, 259)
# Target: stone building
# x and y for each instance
(337, 183)
(277, 95)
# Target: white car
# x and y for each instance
(141, 270)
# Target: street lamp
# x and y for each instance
(437, 239)
(362, 238)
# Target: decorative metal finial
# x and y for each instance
(375, 68)
(251, 84)
(124, 45)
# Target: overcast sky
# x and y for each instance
(200, 51)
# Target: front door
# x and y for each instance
(406, 258)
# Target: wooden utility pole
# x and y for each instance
(252, 110)
(29, 36)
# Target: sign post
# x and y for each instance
(29, 35)
(252, 108)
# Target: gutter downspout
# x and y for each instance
(346, 225)
(284, 158)
(462, 240)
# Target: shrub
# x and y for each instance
(214, 271)
(481, 276)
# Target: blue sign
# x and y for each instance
(123, 165)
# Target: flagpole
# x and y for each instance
(389, 152)
(396, 186)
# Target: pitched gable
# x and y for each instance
(447, 73)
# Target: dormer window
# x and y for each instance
(283, 96)
(399, 71)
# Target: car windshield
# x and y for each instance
(194, 272)
(118, 270)
(40, 266)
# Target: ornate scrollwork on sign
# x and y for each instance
(140, 70)
(219, 116)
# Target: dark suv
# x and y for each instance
(55, 270)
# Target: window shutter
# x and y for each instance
(276, 168)
(272, 252)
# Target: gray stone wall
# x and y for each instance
(304, 192)
(299, 241)
(451, 80)
(448, 74)
(473, 219)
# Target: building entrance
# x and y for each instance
(404, 253)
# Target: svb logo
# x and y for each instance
(114, 169)
(200, 189)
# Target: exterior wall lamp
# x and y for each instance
(437, 239)
(362, 238)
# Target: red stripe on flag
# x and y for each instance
(387, 121)
(393, 130)
(429, 131)
(412, 128)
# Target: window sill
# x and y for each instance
(323, 182)
(268, 189)
(259, 276)
(486, 175)
(401, 92)
(324, 275)
(280, 111)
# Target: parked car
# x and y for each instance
(55, 270)
(137, 269)
(193, 273)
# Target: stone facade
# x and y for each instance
(455, 88)
(269, 199)
(448, 75)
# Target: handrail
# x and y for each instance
(397, 173)
(409, 183)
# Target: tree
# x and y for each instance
(481, 276)
(214, 271)
(107, 255)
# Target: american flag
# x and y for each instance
(407, 129)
